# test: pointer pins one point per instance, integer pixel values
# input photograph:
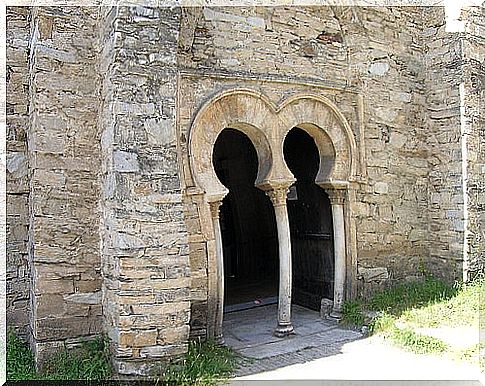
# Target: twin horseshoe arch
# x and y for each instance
(267, 125)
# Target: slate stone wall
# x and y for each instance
(145, 255)
(446, 212)
(391, 210)
(64, 160)
(17, 184)
(474, 121)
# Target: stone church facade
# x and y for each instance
(123, 124)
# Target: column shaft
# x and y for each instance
(337, 200)
(278, 198)
(218, 333)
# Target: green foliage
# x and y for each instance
(427, 304)
(418, 343)
(396, 300)
(352, 312)
(473, 354)
(20, 361)
(462, 309)
(205, 364)
(385, 322)
(88, 362)
(410, 295)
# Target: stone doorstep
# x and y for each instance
(295, 343)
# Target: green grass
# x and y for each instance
(411, 295)
(205, 364)
(428, 304)
(20, 361)
(418, 343)
(353, 312)
(395, 301)
(88, 362)
(462, 309)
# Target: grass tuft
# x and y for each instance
(461, 309)
(88, 362)
(402, 298)
(205, 364)
(418, 343)
(411, 295)
(20, 361)
(428, 304)
(353, 312)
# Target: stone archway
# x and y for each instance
(266, 125)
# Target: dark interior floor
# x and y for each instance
(240, 295)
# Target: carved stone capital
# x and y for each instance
(336, 196)
(277, 196)
(215, 207)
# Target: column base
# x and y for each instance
(219, 340)
(335, 315)
(283, 330)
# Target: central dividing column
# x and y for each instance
(278, 198)
(218, 335)
(337, 198)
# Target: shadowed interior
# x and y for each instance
(248, 225)
(311, 228)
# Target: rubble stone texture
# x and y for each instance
(108, 228)
(18, 267)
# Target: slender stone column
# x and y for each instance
(278, 198)
(218, 334)
(337, 198)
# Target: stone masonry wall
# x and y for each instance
(18, 271)
(379, 52)
(473, 44)
(64, 157)
(442, 82)
(391, 208)
(145, 255)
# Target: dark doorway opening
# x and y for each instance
(310, 216)
(248, 226)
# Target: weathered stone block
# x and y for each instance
(173, 335)
(164, 351)
(66, 327)
(379, 68)
(59, 286)
(138, 338)
(373, 274)
(125, 162)
(381, 188)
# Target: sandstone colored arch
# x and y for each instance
(267, 125)
(243, 110)
(332, 134)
